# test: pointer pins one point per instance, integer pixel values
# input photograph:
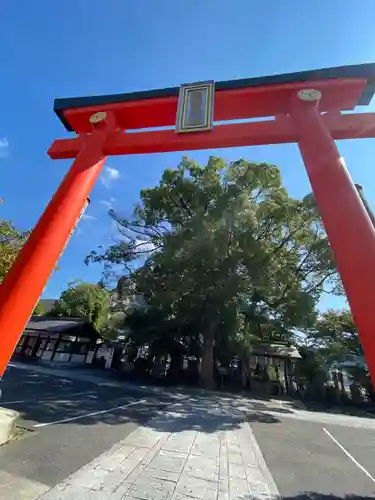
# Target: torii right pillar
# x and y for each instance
(349, 228)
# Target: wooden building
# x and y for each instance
(67, 340)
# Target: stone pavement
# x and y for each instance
(202, 448)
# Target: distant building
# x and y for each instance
(68, 340)
(123, 298)
(122, 302)
(127, 303)
(47, 304)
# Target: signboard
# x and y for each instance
(195, 107)
(274, 336)
(270, 333)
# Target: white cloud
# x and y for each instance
(109, 176)
(113, 173)
(88, 217)
(145, 246)
(108, 203)
(4, 147)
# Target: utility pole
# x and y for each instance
(366, 204)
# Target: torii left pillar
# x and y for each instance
(24, 283)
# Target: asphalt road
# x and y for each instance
(68, 423)
(315, 460)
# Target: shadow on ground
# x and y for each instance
(49, 399)
(206, 414)
(45, 399)
(201, 414)
(262, 417)
(163, 413)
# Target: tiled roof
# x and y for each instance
(54, 324)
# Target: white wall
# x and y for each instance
(78, 358)
(62, 357)
(47, 355)
(90, 357)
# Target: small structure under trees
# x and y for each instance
(66, 340)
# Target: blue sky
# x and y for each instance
(86, 47)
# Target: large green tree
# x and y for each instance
(11, 242)
(210, 246)
(84, 300)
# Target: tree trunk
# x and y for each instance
(207, 368)
(174, 371)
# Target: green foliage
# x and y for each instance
(335, 330)
(84, 300)
(113, 326)
(333, 343)
(221, 249)
(38, 310)
(312, 362)
(11, 242)
(336, 335)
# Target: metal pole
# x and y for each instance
(366, 204)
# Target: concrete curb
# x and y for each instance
(8, 420)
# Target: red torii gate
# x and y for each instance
(297, 101)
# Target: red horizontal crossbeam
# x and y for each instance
(232, 104)
(278, 131)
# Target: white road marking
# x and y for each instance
(47, 398)
(92, 414)
(349, 455)
(13, 402)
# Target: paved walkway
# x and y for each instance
(200, 449)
